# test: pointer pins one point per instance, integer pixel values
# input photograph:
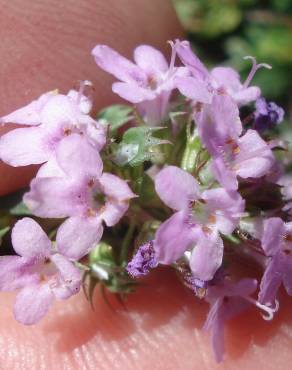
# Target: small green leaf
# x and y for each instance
(20, 210)
(116, 116)
(3, 232)
(138, 145)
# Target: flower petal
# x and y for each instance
(114, 63)
(150, 59)
(115, 187)
(227, 78)
(55, 197)
(176, 187)
(207, 256)
(274, 231)
(194, 88)
(189, 58)
(24, 146)
(32, 303)
(173, 237)
(224, 175)
(255, 158)
(69, 279)
(15, 273)
(132, 92)
(59, 110)
(271, 280)
(77, 236)
(227, 207)
(29, 239)
(113, 212)
(78, 158)
(246, 96)
(30, 114)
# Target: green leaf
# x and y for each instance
(20, 209)
(116, 116)
(138, 145)
(3, 232)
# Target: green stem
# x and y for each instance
(126, 243)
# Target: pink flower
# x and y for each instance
(84, 194)
(233, 154)
(148, 83)
(50, 118)
(227, 300)
(196, 225)
(40, 272)
(202, 85)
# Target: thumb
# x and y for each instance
(161, 329)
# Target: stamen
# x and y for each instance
(269, 311)
(253, 70)
(173, 56)
(83, 84)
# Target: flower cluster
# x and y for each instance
(182, 177)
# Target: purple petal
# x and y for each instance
(227, 207)
(50, 169)
(287, 275)
(113, 211)
(69, 280)
(227, 78)
(15, 273)
(207, 256)
(24, 146)
(190, 60)
(176, 187)
(154, 111)
(29, 239)
(59, 110)
(244, 287)
(224, 175)
(114, 63)
(255, 158)
(115, 187)
(226, 116)
(173, 237)
(30, 114)
(271, 280)
(77, 236)
(274, 231)
(150, 59)
(56, 197)
(246, 96)
(32, 303)
(77, 158)
(194, 88)
(132, 92)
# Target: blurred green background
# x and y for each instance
(224, 31)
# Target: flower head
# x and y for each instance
(227, 300)
(267, 115)
(39, 271)
(143, 260)
(50, 118)
(202, 85)
(84, 194)
(196, 225)
(148, 82)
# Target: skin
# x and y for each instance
(44, 45)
